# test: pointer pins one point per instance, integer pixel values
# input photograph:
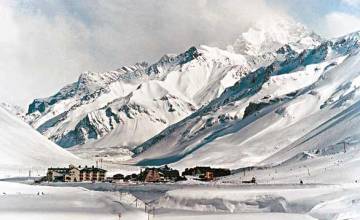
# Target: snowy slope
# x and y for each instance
(13, 109)
(22, 147)
(108, 113)
(271, 115)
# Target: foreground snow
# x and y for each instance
(245, 216)
(184, 201)
(271, 202)
(19, 201)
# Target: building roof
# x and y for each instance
(67, 169)
(59, 170)
(93, 169)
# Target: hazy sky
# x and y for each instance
(46, 44)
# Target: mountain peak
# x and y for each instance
(270, 34)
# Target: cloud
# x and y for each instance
(339, 23)
(46, 44)
(355, 3)
(38, 53)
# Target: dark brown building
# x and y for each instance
(92, 174)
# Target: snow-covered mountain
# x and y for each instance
(110, 113)
(125, 107)
(306, 103)
(268, 35)
(22, 148)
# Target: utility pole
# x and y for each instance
(344, 147)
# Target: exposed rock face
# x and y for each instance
(128, 106)
(284, 103)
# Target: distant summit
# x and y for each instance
(270, 34)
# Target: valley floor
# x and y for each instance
(179, 201)
(331, 192)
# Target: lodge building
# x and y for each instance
(92, 174)
(160, 174)
(76, 174)
(206, 173)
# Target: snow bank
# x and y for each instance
(319, 202)
(18, 201)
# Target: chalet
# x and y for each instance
(70, 174)
(160, 174)
(75, 174)
(153, 175)
(209, 176)
(206, 173)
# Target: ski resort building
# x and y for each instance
(206, 173)
(75, 174)
(153, 175)
(160, 174)
(92, 174)
(209, 176)
(70, 174)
